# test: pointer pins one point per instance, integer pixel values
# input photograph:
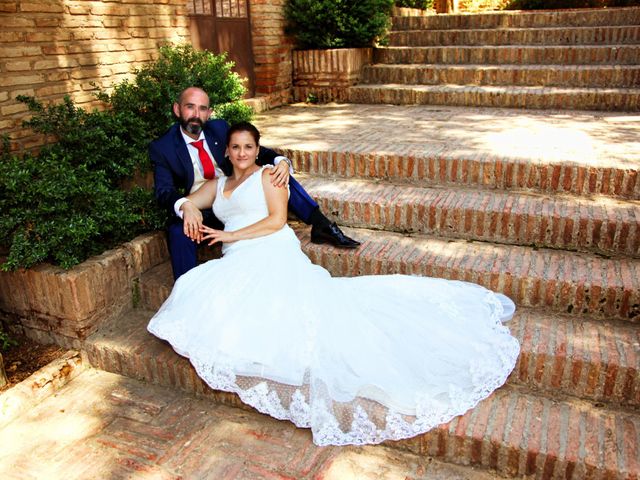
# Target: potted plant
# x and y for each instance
(334, 40)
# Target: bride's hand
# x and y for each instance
(216, 235)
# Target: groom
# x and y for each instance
(193, 151)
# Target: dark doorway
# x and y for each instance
(223, 26)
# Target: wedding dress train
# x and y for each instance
(357, 360)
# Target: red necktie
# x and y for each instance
(205, 160)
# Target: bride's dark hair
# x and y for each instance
(244, 127)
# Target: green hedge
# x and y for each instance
(66, 203)
(337, 23)
(157, 85)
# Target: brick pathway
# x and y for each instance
(587, 138)
(540, 205)
(105, 426)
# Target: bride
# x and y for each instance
(356, 360)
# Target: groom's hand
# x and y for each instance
(280, 175)
(192, 221)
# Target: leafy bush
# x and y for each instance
(422, 4)
(550, 4)
(110, 141)
(67, 202)
(337, 23)
(156, 86)
(5, 342)
(55, 208)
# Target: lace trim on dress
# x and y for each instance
(309, 406)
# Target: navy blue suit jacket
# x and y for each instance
(173, 170)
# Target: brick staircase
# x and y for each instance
(559, 233)
(542, 206)
(574, 59)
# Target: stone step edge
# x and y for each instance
(500, 66)
(534, 75)
(561, 281)
(558, 17)
(565, 223)
(544, 98)
(480, 437)
(548, 36)
(553, 28)
(557, 355)
(599, 46)
(40, 385)
(627, 54)
(519, 89)
(483, 169)
(578, 284)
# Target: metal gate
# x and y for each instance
(223, 26)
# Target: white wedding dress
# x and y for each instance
(357, 360)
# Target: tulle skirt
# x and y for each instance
(357, 360)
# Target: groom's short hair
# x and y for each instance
(181, 94)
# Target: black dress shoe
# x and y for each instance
(331, 233)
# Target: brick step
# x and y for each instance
(598, 35)
(606, 76)
(587, 358)
(478, 171)
(521, 434)
(578, 153)
(604, 226)
(610, 99)
(590, 359)
(520, 19)
(620, 54)
(514, 431)
(563, 282)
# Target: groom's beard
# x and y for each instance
(192, 125)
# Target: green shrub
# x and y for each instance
(53, 208)
(150, 95)
(551, 4)
(6, 342)
(67, 203)
(337, 23)
(422, 4)
(109, 141)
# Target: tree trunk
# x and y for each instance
(3, 374)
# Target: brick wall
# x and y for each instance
(49, 48)
(271, 51)
(326, 74)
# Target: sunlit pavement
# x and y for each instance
(105, 426)
(591, 138)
